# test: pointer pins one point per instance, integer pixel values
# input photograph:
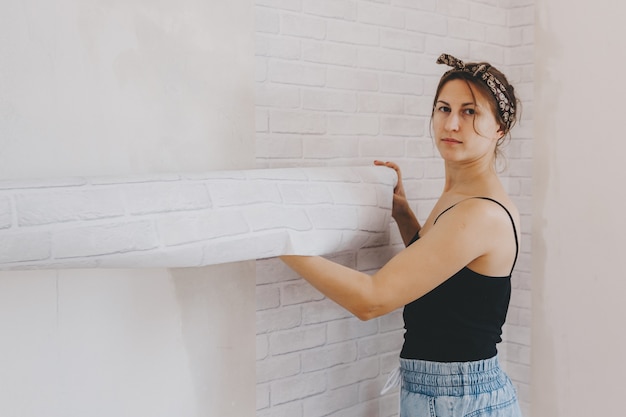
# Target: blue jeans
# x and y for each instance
(456, 389)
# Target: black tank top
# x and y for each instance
(461, 319)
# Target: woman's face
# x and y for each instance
(464, 125)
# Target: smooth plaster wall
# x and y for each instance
(127, 342)
(120, 88)
(104, 87)
(579, 204)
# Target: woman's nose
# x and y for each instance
(452, 122)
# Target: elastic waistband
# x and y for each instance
(452, 378)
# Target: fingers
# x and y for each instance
(399, 188)
(389, 164)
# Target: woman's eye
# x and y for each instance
(444, 109)
(469, 112)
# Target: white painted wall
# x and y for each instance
(579, 205)
(117, 88)
(339, 82)
(127, 342)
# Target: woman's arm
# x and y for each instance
(464, 234)
(351, 289)
(407, 222)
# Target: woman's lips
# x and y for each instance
(450, 140)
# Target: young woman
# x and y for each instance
(454, 277)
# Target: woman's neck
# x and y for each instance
(469, 177)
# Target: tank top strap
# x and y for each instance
(507, 212)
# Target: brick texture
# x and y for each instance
(194, 220)
(353, 81)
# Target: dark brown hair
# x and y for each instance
(478, 83)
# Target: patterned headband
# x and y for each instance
(506, 107)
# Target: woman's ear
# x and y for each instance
(499, 137)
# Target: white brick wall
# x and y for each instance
(193, 220)
(342, 83)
